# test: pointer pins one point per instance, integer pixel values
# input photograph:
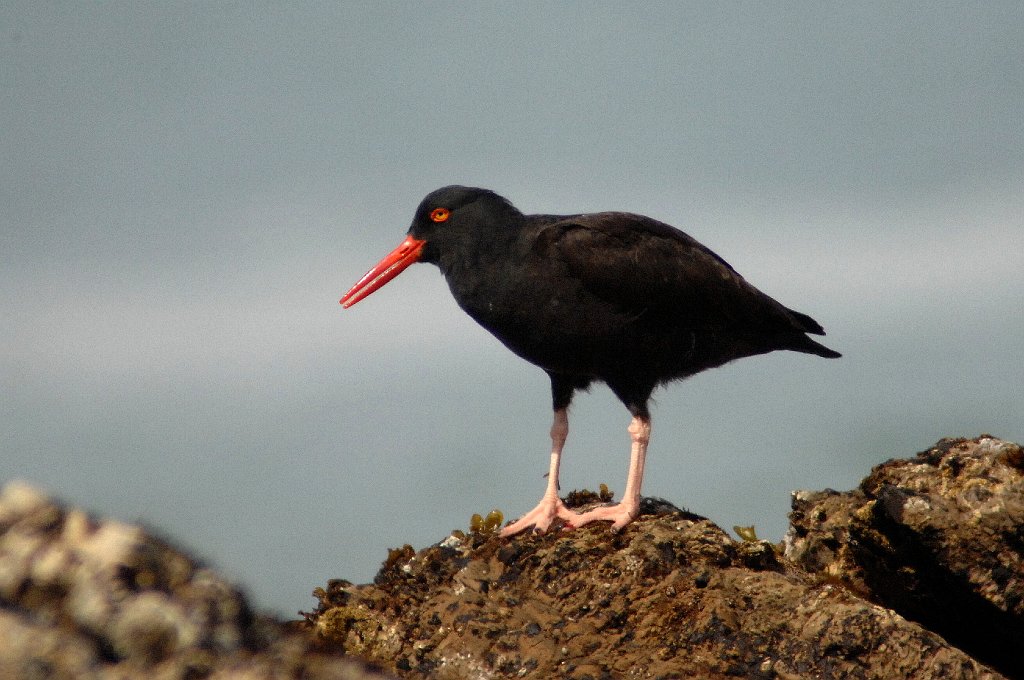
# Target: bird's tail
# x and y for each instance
(802, 343)
(806, 323)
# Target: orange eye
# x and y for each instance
(440, 214)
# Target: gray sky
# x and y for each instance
(187, 189)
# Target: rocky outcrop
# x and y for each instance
(671, 596)
(916, 574)
(82, 598)
(938, 538)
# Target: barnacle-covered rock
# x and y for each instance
(84, 598)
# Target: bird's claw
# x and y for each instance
(541, 517)
(619, 515)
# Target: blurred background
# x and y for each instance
(186, 189)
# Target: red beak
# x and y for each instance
(387, 269)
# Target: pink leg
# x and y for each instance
(625, 512)
(550, 505)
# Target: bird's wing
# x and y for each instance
(640, 264)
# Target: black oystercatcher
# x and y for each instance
(611, 297)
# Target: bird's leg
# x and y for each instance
(627, 510)
(550, 505)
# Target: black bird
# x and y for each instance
(612, 297)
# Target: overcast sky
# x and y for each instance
(187, 189)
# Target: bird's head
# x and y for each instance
(445, 217)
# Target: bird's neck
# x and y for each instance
(485, 248)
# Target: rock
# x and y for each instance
(670, 596)
(918, 573)
(938, 538)
(84, 598)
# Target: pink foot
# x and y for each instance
(619, 515)
(541, 517)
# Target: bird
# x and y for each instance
(609, 297)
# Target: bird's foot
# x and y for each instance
(541, 517)
(619, 515)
